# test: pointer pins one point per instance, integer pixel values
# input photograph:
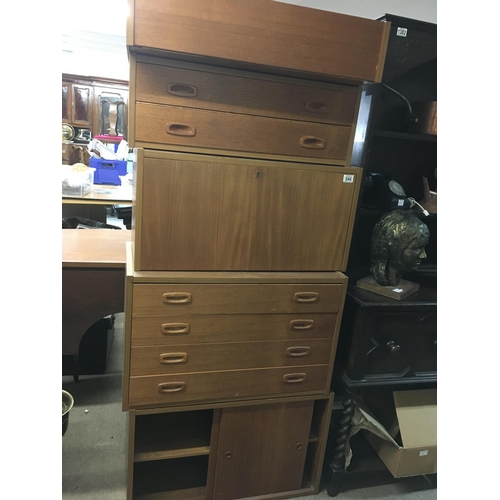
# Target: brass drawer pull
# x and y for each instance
(171, 387)
(316, 107)
(302, 324)
(173, 357)
(182, 90)
(311, 142)
(294, 378)
(174, 328)
(181, 129)
(298, 351)
(306, 297)
(176, 298)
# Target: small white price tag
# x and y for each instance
(397, 290)
(423, 453)
(402, 31)
(401, 203)
(349, 178)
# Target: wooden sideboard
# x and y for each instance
(243, 203)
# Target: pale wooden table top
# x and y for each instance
(94, 247)
(101, 194)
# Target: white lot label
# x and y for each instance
(402, 31)
(349, 178)
(397, 290)
(423, 453)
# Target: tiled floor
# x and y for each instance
(94, 446)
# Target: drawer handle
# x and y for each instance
(182, 90)
(174, 328)
(306, 297)
(176, 298)
(316, 107)
(302, 324)
(173, 358)
(393, 348)
(181, 129)
(298, 351)
(311, 142)
(171, 387)
(294, 378)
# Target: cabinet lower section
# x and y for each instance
(266, 448)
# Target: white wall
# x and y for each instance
(423, 10)
(94, 40)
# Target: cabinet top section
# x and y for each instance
(262, 35)
(406, 22)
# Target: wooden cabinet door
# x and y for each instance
(77, 104)
(82, 105)
(262, 449)
(66, 102)
(205, 213)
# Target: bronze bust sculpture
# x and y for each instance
(397, 246)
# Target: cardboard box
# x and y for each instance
(410, 446)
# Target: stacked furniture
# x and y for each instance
(242, 118)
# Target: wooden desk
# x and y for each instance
(101, 194)
(93, 281)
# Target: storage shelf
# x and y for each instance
(181, 479)
(167, 454)
(172, 435)
(313, 438)
(405, 136)
(186, 494)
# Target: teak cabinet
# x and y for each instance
(243, 203)
(240, 214)
(273, 449)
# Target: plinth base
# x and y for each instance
(399, 292)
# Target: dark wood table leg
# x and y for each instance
(75, 367)
(338, 463)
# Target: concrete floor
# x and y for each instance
(94, 446)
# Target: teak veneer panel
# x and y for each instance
(227, 385)
(205, 87)
(149, 300)
(228, 132)
(157, 360)
(266, 33)
(267, 447)
(209, 213)
(174, 328)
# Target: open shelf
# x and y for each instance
(178, 479)
(172, 435)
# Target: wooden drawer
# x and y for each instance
(274, 35)
(209, 213)
(189, 358)
(244, 93)
(158, 390)
(193, 329)
(226, 132)
(152, 299)
(385, 339)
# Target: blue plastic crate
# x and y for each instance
(107, 171)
